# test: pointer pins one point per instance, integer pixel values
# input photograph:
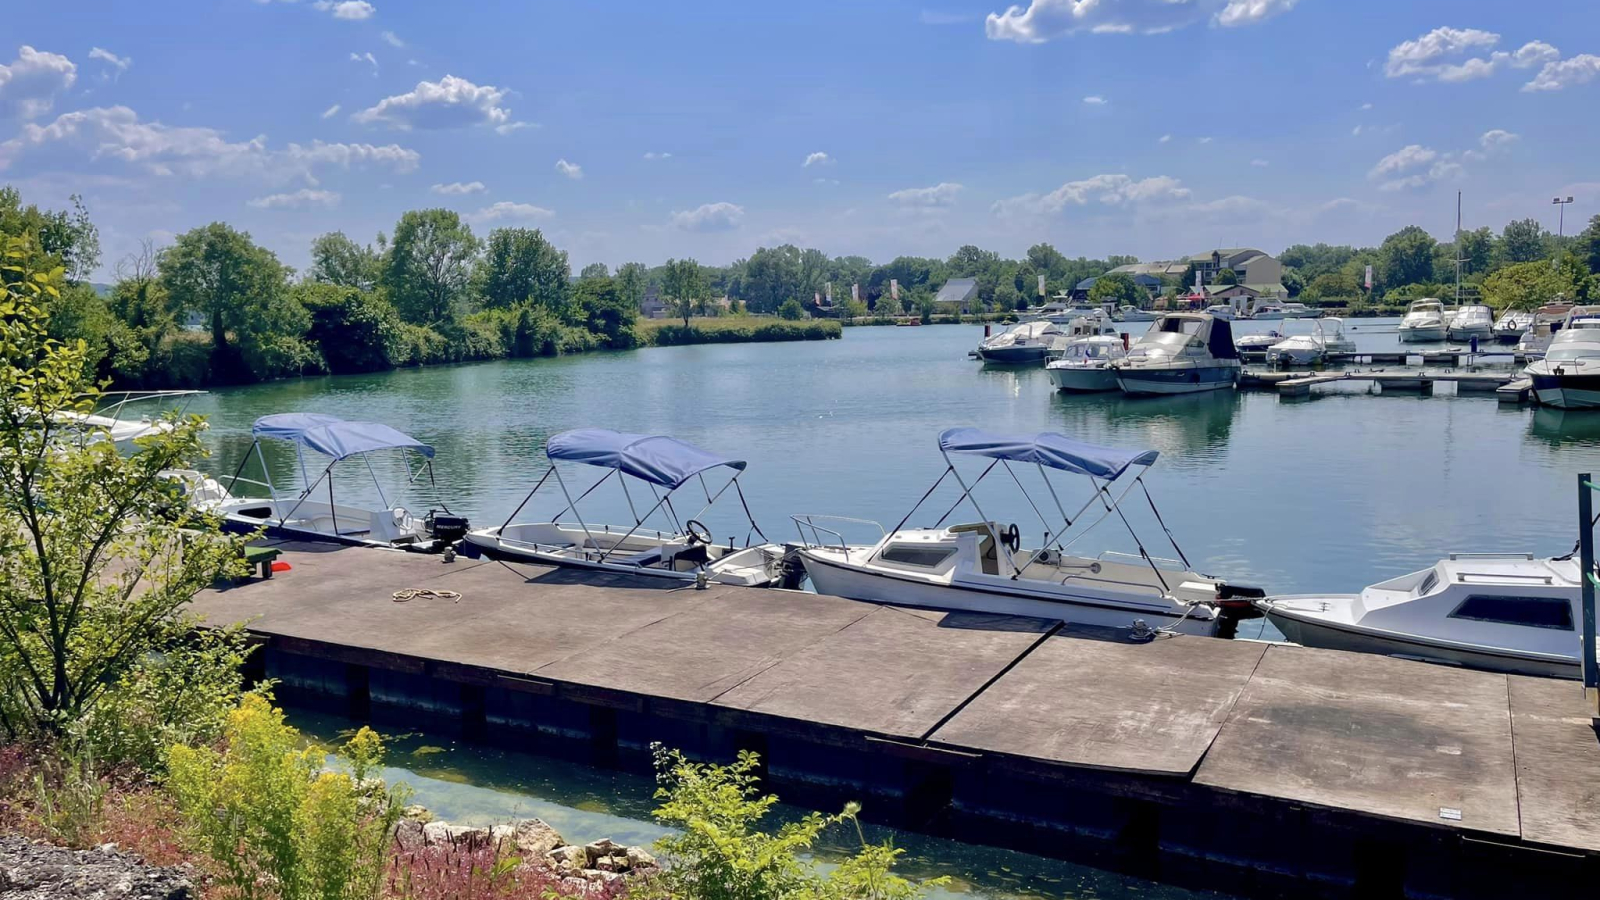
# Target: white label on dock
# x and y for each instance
(1446, 812)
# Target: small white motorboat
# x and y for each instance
(1468, 322)
(1221, 311)
(1084, 366)
(1424, 322)
(1130, 313)
(1504, 613)
(1547, 321)
(981, 567)
(1568, 375)
(1512, 325)
(682, 550)
(1289, 309)
(1026, 343)
(304, 515)
(1258, 343)
(1309, 349)
(1182, 353)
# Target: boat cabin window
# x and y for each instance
(1180, 326)
(1584, 350)
(1531, 612)
(925, 557)
(1428, 583)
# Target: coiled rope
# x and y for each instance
(409, 594)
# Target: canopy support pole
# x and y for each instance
(965, 490)
(272, 489)
(234, 481)
(966, 494)
(334, 510)
(572, 506)
(922, 501)
(284, 517)
(375, 483)
(1170, 538)
(624, 538)
(631, 510)
(1136, 542)
(1103, 515)
(738, 489)
(507, 523)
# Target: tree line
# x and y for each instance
(216, 307)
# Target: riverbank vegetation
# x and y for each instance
(123, 720)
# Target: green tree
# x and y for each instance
(1118, 288)
(1586, 246)
(595, 270)
(429, 266)
(521, 266)
(772, 275)
(684, 283)
(1523, 240)
(242, 291)
(1292, 281)
(600, 307)
(1532, 284)
(1406, 257)
(632, 281)
(66, 237)
(1227, 277)
(336, 259)
(791, 309)
(83, 597)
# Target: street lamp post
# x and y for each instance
(1561, 227)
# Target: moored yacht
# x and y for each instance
(1512, 325)
(1309, 349)
(1505, 613)
(1026, 343)
(1548, 320)
(660, 543)
(982, 567)
(1085, 365)
(1468, 322)
(1423, 322)
(1289, 309)
(1130, 313)
(1568, 376)
(1182, 353)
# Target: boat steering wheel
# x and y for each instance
(1011, 538)
(697, 532)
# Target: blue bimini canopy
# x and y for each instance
(657, 459)
(334, 436)
(1048, 449)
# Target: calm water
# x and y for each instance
(1328, 493)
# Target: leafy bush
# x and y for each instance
(740, 329)
(718, 853)
(273, 822)
(353, 328)
(791, 309)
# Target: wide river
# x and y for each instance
(1327, 493)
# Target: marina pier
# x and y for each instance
(1243, 766)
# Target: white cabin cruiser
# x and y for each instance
(1568, 377)
(1310, 349)
(1025, 343)
(1084, 366)
(1504, 613)
(1512, 325)
(981, 567)
(1475, 321)
(1548, 320)
(685, 553)
(1221, 311)
(1182, 353)
(1131, 313)
(1287, 310)
(305, 516)
(1258, 343)
(1423, 322)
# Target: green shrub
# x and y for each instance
(740, 330)
(718, 853)
(273, 821)
(791, 309)
(351, 327)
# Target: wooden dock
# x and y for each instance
(1235, 765)
(1299, 383)
(1448, 356)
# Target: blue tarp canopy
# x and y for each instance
(657, 459)
(1048, 449)
(334, 436)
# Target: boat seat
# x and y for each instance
(988, 558)
(644, 559)
(690, 558)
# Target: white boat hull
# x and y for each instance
(1421, 334)
(749, 567)
(1180, 379)
(1482, 333)
(1311, 633)
(829, 577)
(1083, 380)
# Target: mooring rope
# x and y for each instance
(409, 594)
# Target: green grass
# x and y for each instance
(733, 330)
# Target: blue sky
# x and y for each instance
(635, 130)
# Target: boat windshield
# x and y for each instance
(1088, 350)
(1585, 350)
(1175, 326)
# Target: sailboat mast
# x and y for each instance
(1458, 249)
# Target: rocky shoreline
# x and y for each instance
(31, 870)
(578, 866)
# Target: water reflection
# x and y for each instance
(1188, 429)
(1565, 427)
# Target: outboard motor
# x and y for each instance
(1236, 602)
(445, 528)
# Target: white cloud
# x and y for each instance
(652, 154)
(457, 188)
(505, 209)
(709, 217)
(392, 39)
(1423, 56)
(1366, 106)
(1534, 53)
(571, 170)
(117, 133)
(940, 195)
(120, 63)
(1094, 100)
(509, 127)
(1408, 157)
(30, 84)
(1497, 138)
(815, 159)
(1555, 76)
(1044, 20)
(1165, 139)
(450, 102)
(331, 111)
(1206, 139)
(1249, 12)
(367, 58)
(1259, 163)
(349, 10)
(301, 199)
(1111, 189)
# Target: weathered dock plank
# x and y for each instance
(1386, 737)
(1557, 753)
(894, 672)
(1084, 699)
